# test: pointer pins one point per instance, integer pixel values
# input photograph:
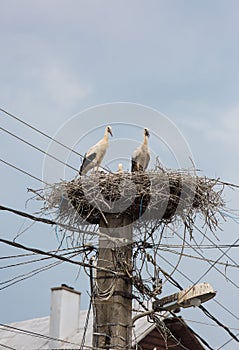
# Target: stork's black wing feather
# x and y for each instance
(86, 161)
(135, 166)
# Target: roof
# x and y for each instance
(177, 335)
(34, 335)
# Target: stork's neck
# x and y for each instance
(106, 135)
(145, 140)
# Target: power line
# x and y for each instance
(208, 324)
(216, 246)
(17, 256)
(200, 338)
(208, 314)
(226, 309)
(213, 265)
(24, 263)
(23, 171)
(27, 275)
(34, 334)
(32, 273)
(204, 274)
(44, 253)
(39, 149)
(27, 262)
(7, 347)
(193, 283)
(193, 332)
(51, 222)
(229, 341)
(86, 325)
(41, 252)
(34, 218)
(47, 136)
(37, 260)
(175, 283)
(40, 132)
(197, 257)
(44, 220)
(201, 246)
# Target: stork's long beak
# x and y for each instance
(110, 132)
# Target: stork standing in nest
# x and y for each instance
(120, 168)
(96, 153)
(140, 158)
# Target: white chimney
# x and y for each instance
(65, 312)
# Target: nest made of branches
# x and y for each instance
(159, 196)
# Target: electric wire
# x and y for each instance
(226, 343)
(7, 347)
(24, 276)
(17, 256)
(199, 337)
(86, 325)
(226, 309)
(44, 253)
(201, 246)
(192, 331)
(33, 334)
(227, 329)
(39, 149)
(23, 171)
(216, 246)
(47, 136)
(213, 265)
(41, 252)
(206, 312)
(27, 275)
(197, 257)
(22, 247)
(208, 324)
(51, 222)
(26, 262)
(224, 253)
(174, 282)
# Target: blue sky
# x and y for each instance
(59, 58)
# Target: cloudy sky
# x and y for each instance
(59, 58)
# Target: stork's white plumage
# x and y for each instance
(120, 168)
(95, 154)
(140, 158)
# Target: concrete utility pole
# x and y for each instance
(113, 311)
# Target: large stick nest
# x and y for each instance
(164, 197)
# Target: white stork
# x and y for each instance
(140, 158)
(95, 154)
(120, 168)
